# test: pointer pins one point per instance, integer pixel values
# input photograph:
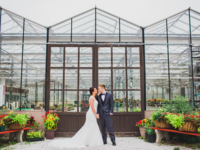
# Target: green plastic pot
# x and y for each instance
(2, 128)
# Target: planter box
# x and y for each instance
(49, 134)
(33, 140)
(146, 136)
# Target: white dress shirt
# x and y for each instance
(103, 96)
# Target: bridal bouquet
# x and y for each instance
(51, 120)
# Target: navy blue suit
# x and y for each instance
(104, 109)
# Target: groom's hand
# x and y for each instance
(111, 114)
(97, 116)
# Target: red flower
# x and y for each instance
(47, 112)
(38, 123)
(31, 124)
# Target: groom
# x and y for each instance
(105, 110)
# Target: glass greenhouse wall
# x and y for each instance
(170, 59)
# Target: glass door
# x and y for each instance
(71, 75)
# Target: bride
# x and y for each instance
(89, 134)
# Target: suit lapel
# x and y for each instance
(100, 98)
(105, 98)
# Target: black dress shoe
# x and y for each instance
(105, 143)
(114, 144)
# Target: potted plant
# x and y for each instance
(151, 136)
(15, 121)
(32, 123)
(51, 120)
(141, 125)
(2, 126)
(160, 120)
(35, 136)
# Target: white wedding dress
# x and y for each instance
(88, 135)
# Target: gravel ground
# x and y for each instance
(123, 143)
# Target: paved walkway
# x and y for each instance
(123, 143)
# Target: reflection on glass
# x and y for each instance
(85, 57)
(71, 78)
(134, 101)
(104, 77)
(133, 57)
(55, 102)
(84, 100)
(118, 56)
(104, 57)
(85, 78)
(56, 79)
(56, 56)
(71, 56)
(119, 99)
(70, 102)
(119, 79)
(133, 78)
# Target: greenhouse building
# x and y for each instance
(51, 68)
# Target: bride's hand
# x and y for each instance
(97, 116)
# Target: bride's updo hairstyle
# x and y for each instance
(91, 90)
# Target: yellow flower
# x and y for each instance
(11, 112)
(4, 107)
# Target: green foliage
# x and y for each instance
(175, 120)
(35, 134)
(3, 111)
(179, 105)
(184, 138)
(159, 115)
(176, 148)
(150, 131)
(16, 118)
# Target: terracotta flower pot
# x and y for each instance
(142, 131)
(50, 134)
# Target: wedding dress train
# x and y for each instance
(88, 135)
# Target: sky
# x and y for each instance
(141, 12)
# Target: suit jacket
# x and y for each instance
(107, 107)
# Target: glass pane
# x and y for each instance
(107, 27)
(133, 57)
(195, 27)
(34, 33)
(56, 79)
(70, 103)
(71, 78)
(129, 32)
(104, 77)
(85, 78)
(156, 33)
(84, 100)
(83, 27)
(119, 79)
(119, 98)
(196, 73)
(11, 28)
(33, 82)
(133, 78)
(157, 83)
(104, 57)
(85, 57)
(180, 72)
(118, 56)
(134, 101)
(10, 76)
(60, 32)
(71, 56)
(57, 57)
(56, 99)
(196, 54)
